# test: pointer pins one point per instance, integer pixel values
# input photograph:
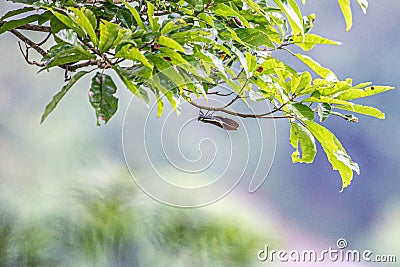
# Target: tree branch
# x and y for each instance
(36, 28)
(29, 42)
(243, 115)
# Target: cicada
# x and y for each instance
(219, 121)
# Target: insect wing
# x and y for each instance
(227, 124)
(212, 121)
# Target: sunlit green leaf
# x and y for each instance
(136, 15)
(335, 152)
(83, 21)
(293, 14)
(317, 68)
(301, 138)
(305, 81)
(311, 40)
(150, 14)
(227, 11)
(346, 10)
(171, 43)
(302, 111)
(359, 93)
(69, 23)
(108, 34)
(139, 92)
(253, 37)
(365, 110)
(130, 52)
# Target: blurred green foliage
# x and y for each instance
(111, 226)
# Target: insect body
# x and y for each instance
(222, 122)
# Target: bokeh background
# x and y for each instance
(67, 198)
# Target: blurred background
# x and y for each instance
(67, 198)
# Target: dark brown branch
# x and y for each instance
(29, 42)
(81, 65)
(36, 28)
(243, 115)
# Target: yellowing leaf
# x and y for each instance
(346, 10)
(132, 53)
(366, 110)
(335, 152)
(168, 42)
(300, 137)
(311, 40)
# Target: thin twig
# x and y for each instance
(26, 56)
(243, 115)
(28, 42)
(44, 40)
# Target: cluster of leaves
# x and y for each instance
(184, 49)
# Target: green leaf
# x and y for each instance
(168, 42)
(328, 100)
(71, 24)
(157, 84)
(317, 68)
(362, 85)
(366, 110)
(359, 93)
(136, 15)
(311, 40)
(168, 70)
(300, 137)
(160, 105)
(132, 53)
(346, 10)
(150, 13)
(207, 18)
(302, 111)
(305, 81)
(251, 61)
(324, 110)
(335, 152)
(226, 11)
(139, 92)
(57, 98)
(253, 38)
(101, 97)
(108, 34)
(12, 24)
(242, 60)
(83, 21)
(65, 53)
(292, 11)
(170, 26)
(15, 12)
